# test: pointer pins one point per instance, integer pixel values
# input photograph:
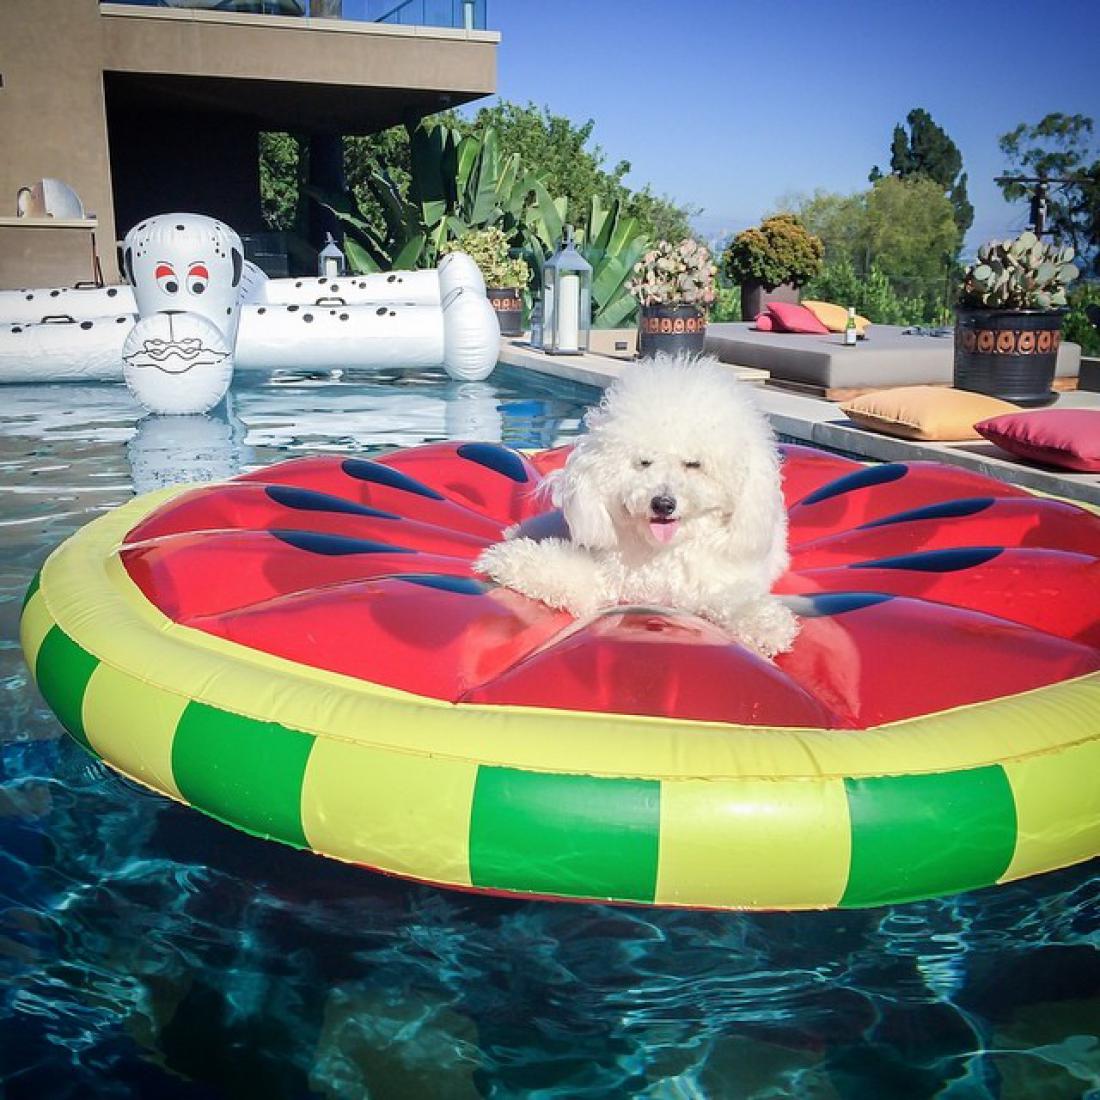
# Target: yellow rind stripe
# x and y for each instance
(131, 723)
(755, 843)
(33, 628)
(404, 814)
(90, 595)
(1057, 809)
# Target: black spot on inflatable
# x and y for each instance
(307, 316)
(464, 586)
(309, 500)
(827, 604)
(861, 479)
(936, 561)
(336, 545)
(362, 469)
(292, 309)
(85, 325)
(381, 311)
(500, 459)
(947, 509)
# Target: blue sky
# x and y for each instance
(729, 105)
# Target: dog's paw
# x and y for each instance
(766, 625)
(551, 571)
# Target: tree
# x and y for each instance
(911, 235)
(902, 231)
(560, 150)
(927, 152)
(1060, 146)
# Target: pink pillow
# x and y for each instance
(764, 322)
(791, 317)
(1068, 438)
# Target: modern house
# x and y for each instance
(149, 106)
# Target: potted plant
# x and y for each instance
(674, 287)
(505, 275)
(1008, 320)
(771, 262)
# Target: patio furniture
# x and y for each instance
(822, 366)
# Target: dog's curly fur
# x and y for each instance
(672, 498)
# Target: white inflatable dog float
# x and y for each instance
(190, 263)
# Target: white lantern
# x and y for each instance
(331, 262)
(566, 300)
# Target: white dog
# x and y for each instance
(672, 498)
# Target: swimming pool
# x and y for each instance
(148, 951)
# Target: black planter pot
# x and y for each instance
(508, 303)
(1008, 353)
(755, 298)
(671, 329)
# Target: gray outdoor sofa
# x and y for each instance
(823, 365)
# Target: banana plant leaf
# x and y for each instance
(360, 260)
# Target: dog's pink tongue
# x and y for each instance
(663, 532)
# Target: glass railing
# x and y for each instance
(460, 14)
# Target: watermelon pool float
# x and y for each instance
(304, 653)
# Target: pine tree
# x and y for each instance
(926, 151)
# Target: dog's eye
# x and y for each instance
(642, 463)
(694, 464)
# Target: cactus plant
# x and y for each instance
(1024, 273)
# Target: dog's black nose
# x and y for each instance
(663, 505)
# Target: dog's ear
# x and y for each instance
(578, 492)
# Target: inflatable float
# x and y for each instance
(188, 263)
(304, 653)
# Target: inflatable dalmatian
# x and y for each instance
(185, 270)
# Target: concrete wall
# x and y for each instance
(52, 123)
(187, 92)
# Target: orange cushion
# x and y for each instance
(834, 317)
(932, 413)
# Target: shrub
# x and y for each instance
(779, 251)
(675, 274)
(488, 248)
(871, 294)
(1077, 326)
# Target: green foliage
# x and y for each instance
(1021, 274)
(455, 184)
(779, 251)
(902, 229)
(1077, 327)
(727, 303)
(675, 274)
(1059, 145)
(872, 295)
(489, 249)
(574, 169)
(926, 152)
(282, 170)
(612, 242)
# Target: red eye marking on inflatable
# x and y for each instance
(199, 271)
(163, 271)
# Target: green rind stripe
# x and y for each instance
(62, 672)
(32, 588)
(243, 771)
(569, 835)
(920, 836)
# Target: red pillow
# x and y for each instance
(1068, 438)
(791, 317)
(764, 322)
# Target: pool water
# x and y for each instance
(147, 951)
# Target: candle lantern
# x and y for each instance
(331, 262)
(566, 300)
